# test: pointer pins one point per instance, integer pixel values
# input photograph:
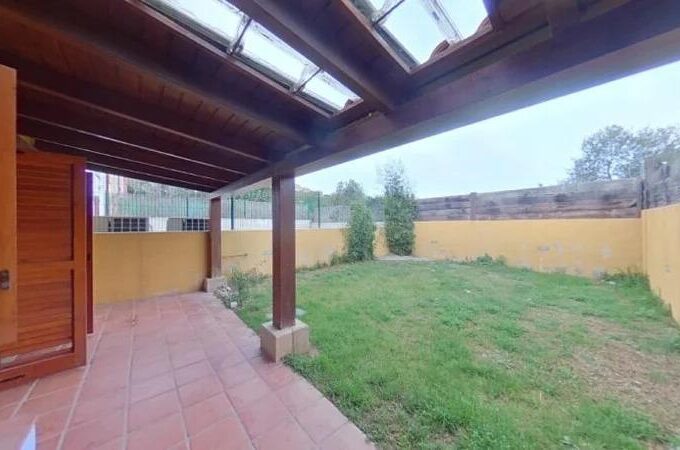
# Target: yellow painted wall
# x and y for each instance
(252, 250)
(585, 247)
(138, 265)
(661, 245)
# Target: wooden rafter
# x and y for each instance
(320, 47)
(93, 40)
(96, 126)
(139, 143)
(141, 175)
(40, 129)
(128, 164)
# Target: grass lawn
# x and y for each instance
(441, 355)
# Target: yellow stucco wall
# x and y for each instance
(251, 250)
(137, 265)
(585, 247)
(661, 245)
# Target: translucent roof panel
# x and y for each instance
(216, 17)
(329, 91)
(414, 28)
(267, 51)
(259, 48)
(466, 15)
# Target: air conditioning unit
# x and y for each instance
(181, 224)
(120, 224)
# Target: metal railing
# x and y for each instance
(126, 205)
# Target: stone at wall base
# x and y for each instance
(210, 284)
(276, 343)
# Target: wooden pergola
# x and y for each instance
(141, 94)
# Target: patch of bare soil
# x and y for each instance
(645, 381)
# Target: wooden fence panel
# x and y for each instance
(611, 199)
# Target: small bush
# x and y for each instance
(360, 234)
(238, 287)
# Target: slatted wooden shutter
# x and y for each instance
(52, 283)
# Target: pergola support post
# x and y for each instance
(284, 334)
(215, 277)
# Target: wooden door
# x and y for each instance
(52, 274)
(8, 201)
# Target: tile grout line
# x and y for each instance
(24, 398)
(128, 387)
(187, 441)
(224, 389)
(88, 359)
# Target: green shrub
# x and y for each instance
(360, 234)
(400, 210)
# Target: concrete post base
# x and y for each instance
(276, 344)
(210, 284)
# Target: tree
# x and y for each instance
(348, 192)
(360, 234)
(614, 152)
(400, 210)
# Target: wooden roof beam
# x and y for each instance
(140, 174)
(90, 37)
(92, 145)
(111, 131)
(319, 47)
(127, 164)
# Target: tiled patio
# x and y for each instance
(178, 372)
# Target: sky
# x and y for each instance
(519, 149)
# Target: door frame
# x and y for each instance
(8, 200)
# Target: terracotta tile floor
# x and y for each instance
(178, 372)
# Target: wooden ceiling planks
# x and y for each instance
(94, 39)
